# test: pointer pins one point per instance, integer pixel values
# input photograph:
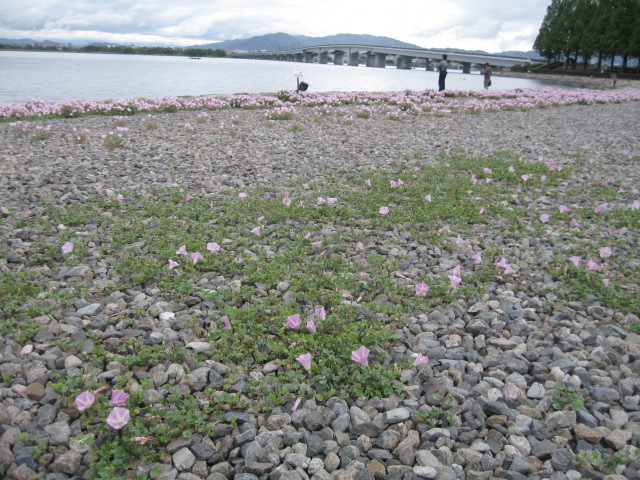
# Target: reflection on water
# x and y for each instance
(52, 76)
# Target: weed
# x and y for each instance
(566, 395)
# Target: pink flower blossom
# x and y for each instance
(477, 257)
(242, 195)
(118, 417)
(331, 200)
(227, 323)
(474, 178)
(67, 248)
(602, 208)
(305, 361)
(361, 355)
(317, 244)
(143, 440)
(187, 197)
(109, 192)
(563, 209)
(383, 210)
(574, 223)
(120, 198)
(118, 398)
(459, 240)
(255, 231)
(527, 177)
(420, 360)
(543, 178)
(635, 205)
(311, 326)
(592, 265)
(512, 170)
(455, 280)
(605, 252)
(172, 264)
(488, 180)
(286, 201)
(293, 321)
(182, 250)
(482, 210)
(320, 201)
(544, 218)
(367, 182)
(428, 198)
(487, 170)
(308, 235)
(606, 281)
(195, 256)
(575, 260)
(85, 400)
(213, 247)
(422, 289)
(320, 313)
(296, 404)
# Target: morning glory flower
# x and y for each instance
(320, 313)
(361, 355)
(182, 250)
(605, 252)
(383, 210)
(422, 289)
(420, 360)
(118, 398)
(305, 361)
(213, 247)
(293, 321)
(575, 260)
(544, 218)
(85, 400)
(227, 323)
(172, 264)
(195, 256)
(118, 417)
(255, 231)
(455, 280)
(67, 248)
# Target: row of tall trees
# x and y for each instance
(574, 29)
(190, 51)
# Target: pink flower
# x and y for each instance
(361, 356)
(109, 192)
(320, 313)
(118, 398)
(296, 404)
(474, 178)
(293, 321)
(182, 250)
(317, 244)
(592, 265)
(543, 178)
(605, 252)
(563, 209)
(428, 198)
(85, 400)
(255, 231)
(482, 210)
(331, 200)
(227, 323)
(383, 210)
(635, 205)
(143, 440)
(512, 170)
(574, 223)
(243, 195)
(305, 361)
(602, 208)
(422, 289)
(311, 326)
(286, 201)
(320, 201)
(487, 170)
(544, 218)
(488, 180)
(172, 264)
(187, 197)
(526, 177)
(455, 280)
(367, 182)
(420, 360)
(459, 240)
(477, 257)
(67, 248)
(118, 417)
(575, 260)
(120, 198)
(308, 235)
(195, 256)
(606, 281)
(213, 247)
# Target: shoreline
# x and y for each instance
(586, 82)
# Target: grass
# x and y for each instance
(361, 275)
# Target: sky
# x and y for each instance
(489, 25)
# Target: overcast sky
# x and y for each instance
(486, 25)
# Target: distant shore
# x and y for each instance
(586, 82)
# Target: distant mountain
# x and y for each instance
(284, 41)
(515, 53)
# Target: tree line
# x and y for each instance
(574, 30)
(189, 52)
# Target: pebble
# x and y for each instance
(498, 356)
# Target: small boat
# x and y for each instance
(194, 58)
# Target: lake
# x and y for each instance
(55, 76)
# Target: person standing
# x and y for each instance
(442, 68)
(487, 75)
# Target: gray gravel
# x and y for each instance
(497, 357)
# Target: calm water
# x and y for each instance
(52, 76)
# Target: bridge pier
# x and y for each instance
(377, 60)
(354, 59)
(466, 67)
(338, 58)
(298, 57)
(403, 63)
(324, 58)
(308, 57)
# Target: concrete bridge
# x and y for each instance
(377, 56)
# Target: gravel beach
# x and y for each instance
(498, 357)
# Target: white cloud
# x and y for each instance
(469, 24)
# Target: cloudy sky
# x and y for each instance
(490, 25)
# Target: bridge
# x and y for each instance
(377, 56)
